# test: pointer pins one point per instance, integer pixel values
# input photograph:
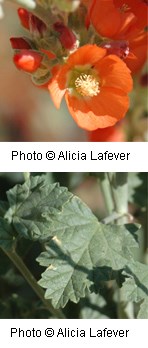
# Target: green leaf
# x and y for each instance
(32, 206)
(143, 312)
(6, 235)
(135, 287)
(81, 244)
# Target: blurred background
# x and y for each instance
(28, 114)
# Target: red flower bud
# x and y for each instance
(19, 43)
(31, 22)
(66, 37)
(24, 17)
(37, 26)
(119, 48)
(27, 60)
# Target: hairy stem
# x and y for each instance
(118, 183)
(119, 190)
(18, 262)
(106, 191)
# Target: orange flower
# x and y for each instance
(116, 18)
(109, 134)
(95, 87)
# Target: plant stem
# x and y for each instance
(106, 191)
(119, 190)
(111, 218)
(118, 183)
(18, 262)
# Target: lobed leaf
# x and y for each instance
(135, 287)
(80, 251)
(81, 244)
(32, 206)
(143, 312)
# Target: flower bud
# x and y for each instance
(24, 17)
(36, 26)
(66, 36)
(119, 48)
(27, 60)
(19, 43)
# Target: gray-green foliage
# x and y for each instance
(32, 206)
(81, 252)
(135, 286)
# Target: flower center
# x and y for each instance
(124, 8)
(87, 85)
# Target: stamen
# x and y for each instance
(87, 85)
(124, 8)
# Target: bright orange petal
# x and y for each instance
(56, 92)
(84, 117)
(138, 8)
(88, 54)
(111, 102)
(98, 112)
(113, 72)
(104, 17)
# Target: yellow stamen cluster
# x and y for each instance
(87, 85)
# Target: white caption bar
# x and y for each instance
(65, 157)
(17, 333)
